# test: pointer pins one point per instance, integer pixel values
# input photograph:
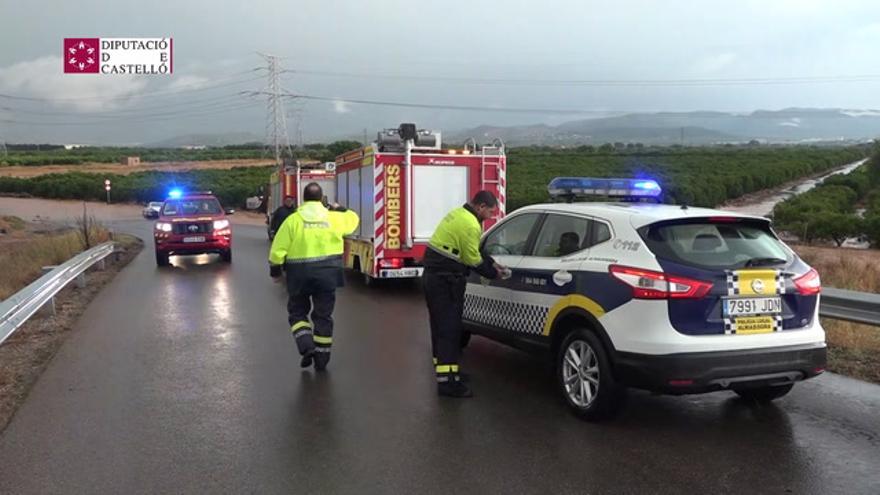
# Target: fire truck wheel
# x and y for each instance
(368, 280)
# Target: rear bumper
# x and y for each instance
(699, 372)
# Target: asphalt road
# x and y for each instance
(186, 380)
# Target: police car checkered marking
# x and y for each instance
(510, 315)
(733, 283)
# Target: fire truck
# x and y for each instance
(289, 180)
(401, 186)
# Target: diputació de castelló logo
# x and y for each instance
(138, 56)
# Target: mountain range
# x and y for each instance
(792, 125)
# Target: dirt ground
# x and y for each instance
(48, 211)
(119, 169)
(27, 352)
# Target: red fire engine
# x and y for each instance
(291, 177)
(401, 186)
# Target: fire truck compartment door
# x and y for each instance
(437, 189)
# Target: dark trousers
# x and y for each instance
(444, 293)
(317, 334)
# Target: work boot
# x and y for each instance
(307, 359)
(455, 389)
(321, 361)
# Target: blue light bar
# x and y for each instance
(175, 193)
(571, 187)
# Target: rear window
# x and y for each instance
(187, 207)
(716, 244)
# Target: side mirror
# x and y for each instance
(230, 211)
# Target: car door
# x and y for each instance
(487, 302)
(549, 271)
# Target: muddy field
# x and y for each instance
(119, 169)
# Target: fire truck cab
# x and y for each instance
(289, 180)
(401, 186)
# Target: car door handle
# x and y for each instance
(562, 277)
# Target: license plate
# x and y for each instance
(750, 325)
(752, 306)
(200, 238)
(401, 273)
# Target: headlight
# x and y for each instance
(163, 226)
(220, 224)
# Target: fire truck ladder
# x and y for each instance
(491, 157)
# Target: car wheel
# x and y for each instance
(583, 372)
(226, 256)
(465, 338)
(764, 394)
(162, 259)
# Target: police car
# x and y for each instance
(635, 293)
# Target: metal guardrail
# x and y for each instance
(850, 305)
(21, 306)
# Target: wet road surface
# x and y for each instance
(186, 380)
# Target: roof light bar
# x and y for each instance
(634, 189)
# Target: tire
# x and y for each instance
(162, 259)
(465, 338)
(764, 394)
(590, 391)
(226, 256)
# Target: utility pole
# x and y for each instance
(276, 122)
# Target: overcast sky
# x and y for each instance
(512, 43)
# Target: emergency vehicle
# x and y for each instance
(401, 186)
(192, 223)
(289, 180)
(633, 293)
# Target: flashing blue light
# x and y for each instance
(175, 193)
(571, 187)
(647, 184)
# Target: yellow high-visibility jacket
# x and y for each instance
(312, 234)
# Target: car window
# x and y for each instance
(206, 206)
(512, 236)
(561, 235)
(706, 244)
(601, 232)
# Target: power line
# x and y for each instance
(132, 96)
(152, 118)
(749, 81)
(127, 112)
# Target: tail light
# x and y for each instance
(809, 283)
(648, 284)
(393, 263)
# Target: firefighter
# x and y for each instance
(287, 208)
(309, 244)
(452, 253)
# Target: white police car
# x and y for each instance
(666, 298)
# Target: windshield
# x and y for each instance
(186, 207)
(716, 244)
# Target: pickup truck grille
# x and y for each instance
(193, 228)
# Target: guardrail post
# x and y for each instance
(81, 280)
(49, 308)
(102, 264)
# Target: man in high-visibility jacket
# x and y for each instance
(309, 243)
(453, 251)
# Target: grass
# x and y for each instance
(23, 258)
(9, 224)
(853, 349)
